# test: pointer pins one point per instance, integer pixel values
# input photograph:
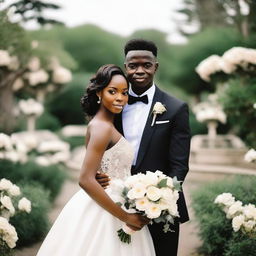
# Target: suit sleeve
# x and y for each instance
(179, 146)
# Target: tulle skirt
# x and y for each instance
(83, 228)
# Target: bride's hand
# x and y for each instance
(136, 221)
(103, 179)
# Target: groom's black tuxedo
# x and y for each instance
(165, 146)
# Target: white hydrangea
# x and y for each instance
(24, 205)
(8, 233)
(209, 66)
(14, 190)
(249, 211)
(61, 75)
(37, 77)
(234, 209)
(53, 146)
(31, 107)
(249, 225)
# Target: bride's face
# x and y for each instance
(115, 95)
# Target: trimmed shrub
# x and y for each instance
(33, 226)
(48, 122)
(74, 141)
(50, 177)
(215, 230)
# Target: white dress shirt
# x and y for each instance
(134, 119)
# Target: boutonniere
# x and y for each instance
(158, 108)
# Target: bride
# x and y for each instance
(88, 224)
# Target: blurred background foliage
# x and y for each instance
(210, 27)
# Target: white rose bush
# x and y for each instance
(243, 216)
(10, 204)
(153, 195)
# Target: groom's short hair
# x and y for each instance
(140, 44)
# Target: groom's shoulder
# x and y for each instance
(171, 101)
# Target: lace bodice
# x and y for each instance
(117, 160)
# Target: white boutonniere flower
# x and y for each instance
(158, 108)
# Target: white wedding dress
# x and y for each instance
(84, 228)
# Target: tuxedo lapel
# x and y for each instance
(148, 130)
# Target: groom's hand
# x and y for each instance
(103, 179)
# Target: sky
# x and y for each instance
(118, 16)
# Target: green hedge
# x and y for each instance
(33, 226)
(215, 230)
(50, 177)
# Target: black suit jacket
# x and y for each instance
(165, 146)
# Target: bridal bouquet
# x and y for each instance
(153, 195)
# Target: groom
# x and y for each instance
(162, 143)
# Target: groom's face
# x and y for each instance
(140, 68)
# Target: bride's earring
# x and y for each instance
(99, 100)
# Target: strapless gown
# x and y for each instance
(84, 228)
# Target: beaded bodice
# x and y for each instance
(117, 160)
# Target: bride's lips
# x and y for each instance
(119, 106)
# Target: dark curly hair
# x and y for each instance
(140, 44)
(97, 83)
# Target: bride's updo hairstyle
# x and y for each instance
(102, 78)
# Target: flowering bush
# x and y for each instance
(243, 216)
(152, 194)
(8, 191)
(250, 156)
(215, 229)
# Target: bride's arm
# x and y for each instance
(100, 136)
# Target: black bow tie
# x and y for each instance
(133, 99)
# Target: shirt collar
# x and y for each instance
(150, 92)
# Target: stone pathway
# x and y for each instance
(189, 240)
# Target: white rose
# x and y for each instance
(225, 198)
(24, 205)
(234, 209)
(237, 222)
(150, 178)
(8, 233)
(153, 193)
(158, 108)
(14, 190)
(249, 225)
(153, 211)
(138, 191)
(61, 75)
(142, 204)
(131, 181)
(250, 211)
(5, 184)
(7, 203)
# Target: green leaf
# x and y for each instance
(162, 183)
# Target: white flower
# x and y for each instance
(60, 157)
(130, 181)
(37, 77)
(225, 198)
(209, 66)
(14, 190)
(249, 225)
(117, 186)
(138, 191)
(8, 233)
(5, 142)
(153, 211)
(31, 107)
(254, 105)
(234, 209)
(150, 178)
(237, 222)
(24, 205)
(61, 75)
(34, 64)
(43, 160)
(14, 63)
(249, 211)
(158, 108)
(142, 204)
(5, 58)
(12, 156)
(173, 209)
(153, 193)
(5, 184)
(169, 182)
(250, 156)
(34, 44)
(7, 203)
(53, 146)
